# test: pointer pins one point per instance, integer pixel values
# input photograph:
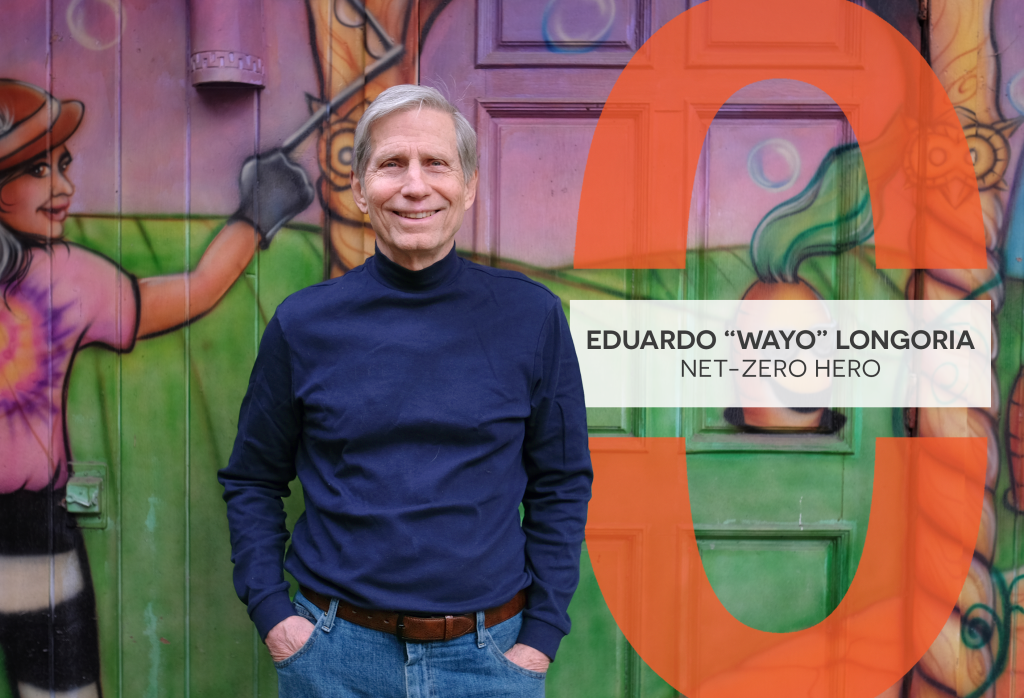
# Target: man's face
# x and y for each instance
(414, 189)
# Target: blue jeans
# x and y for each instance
(344, 660)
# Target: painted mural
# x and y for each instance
(61, 297)
(138, 268)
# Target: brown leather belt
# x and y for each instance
(418, 628)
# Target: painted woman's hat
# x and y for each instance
(32, 121)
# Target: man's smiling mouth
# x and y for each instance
(416, 214)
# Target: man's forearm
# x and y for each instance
(256, 520)
(557, 460)
(257, 478)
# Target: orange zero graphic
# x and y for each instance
(927, 492)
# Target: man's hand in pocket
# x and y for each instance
(287, 637)
(528, 658)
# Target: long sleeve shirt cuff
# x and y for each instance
(540, 636)
(271, 611)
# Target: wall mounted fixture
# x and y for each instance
(227, 43)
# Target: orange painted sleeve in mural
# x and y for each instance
(925, 511)
(643, 159)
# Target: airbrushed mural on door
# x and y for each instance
(116, 409)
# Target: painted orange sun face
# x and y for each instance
(37, 200)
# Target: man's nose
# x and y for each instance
(415, 186)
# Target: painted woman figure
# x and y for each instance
(56, 298)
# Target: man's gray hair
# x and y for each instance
(401, 98)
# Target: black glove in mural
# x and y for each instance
(273, 190)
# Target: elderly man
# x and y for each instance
(420, 399)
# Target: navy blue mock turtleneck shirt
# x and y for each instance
(418, 410)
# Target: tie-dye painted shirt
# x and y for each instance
(70, 298)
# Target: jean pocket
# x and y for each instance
(509, 664)
(303, 612)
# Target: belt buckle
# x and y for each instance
(400, 627)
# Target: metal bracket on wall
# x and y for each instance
(87, 494)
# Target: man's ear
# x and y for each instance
(471, 189)
(357, 193)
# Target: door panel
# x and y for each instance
(524, 215)
(777, 580)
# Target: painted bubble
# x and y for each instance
(95, 24)
(774, 164)
(577, 26)
(1015, 91)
